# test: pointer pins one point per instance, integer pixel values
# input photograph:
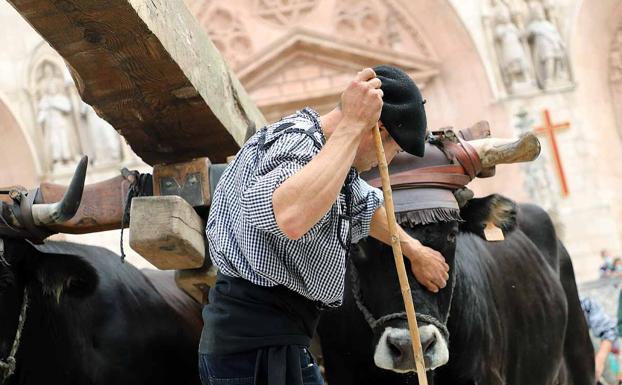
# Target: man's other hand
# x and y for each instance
(428, 265)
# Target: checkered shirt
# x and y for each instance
(244, 238)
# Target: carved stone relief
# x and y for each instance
(382, 24)
(511, 49)
(547, 47)
(105, 142)
(67, 128)
(401, 31)
(55, 115)
(529, 49)
(283, 12)
(540, 184)
(363, 20)
(229, 35)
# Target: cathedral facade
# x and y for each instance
(554, 66)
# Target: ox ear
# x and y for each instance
(495, 209)
(64, 275)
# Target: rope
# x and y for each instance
(376, 324)
(8, 365)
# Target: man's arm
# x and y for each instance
(601, 357)
(302, 200)
(427, 265)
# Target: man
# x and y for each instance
(282, 219)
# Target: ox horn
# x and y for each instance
(52, 213)
(493, 151)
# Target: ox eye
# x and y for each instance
(451, 237)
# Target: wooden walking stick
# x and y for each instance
(399, 260)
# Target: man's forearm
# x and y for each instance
(302, 200)
(379, 228)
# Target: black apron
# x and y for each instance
(275, 321)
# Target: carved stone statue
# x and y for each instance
(510, 50)
(104, 142)
(547, 46)
(55, 117)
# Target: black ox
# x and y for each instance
(74, 314)
(509, 315)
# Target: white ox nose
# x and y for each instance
(394, 350)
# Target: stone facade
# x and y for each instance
(505, 61)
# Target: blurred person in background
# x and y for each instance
(606, 265)
(603, 328)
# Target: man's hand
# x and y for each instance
(361, 103)
(427, 265)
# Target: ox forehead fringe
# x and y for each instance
(428, 216)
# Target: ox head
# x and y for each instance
(428, 211)
(23, 222)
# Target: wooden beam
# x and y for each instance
(148, 68)
(167, 232)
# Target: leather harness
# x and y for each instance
(464, 165)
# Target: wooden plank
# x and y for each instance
(167, 232)
(148, 68)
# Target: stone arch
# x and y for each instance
(17, 155)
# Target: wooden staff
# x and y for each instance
(399, 259)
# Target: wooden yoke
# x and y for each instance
(101, 207)
(168, 229)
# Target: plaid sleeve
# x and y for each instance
(601, 325)
(285, 157)
(365, 201)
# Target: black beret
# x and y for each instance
(402, 113)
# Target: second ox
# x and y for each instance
(510, 313)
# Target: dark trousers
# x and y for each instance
(239, 369)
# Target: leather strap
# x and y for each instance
(450, 176)
(466, 155)
(24, 216)
(466, 165)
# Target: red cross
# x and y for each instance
(549, 130)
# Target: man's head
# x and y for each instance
(386, 96)
(403, 112)
(402, 120)
(366, 159)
